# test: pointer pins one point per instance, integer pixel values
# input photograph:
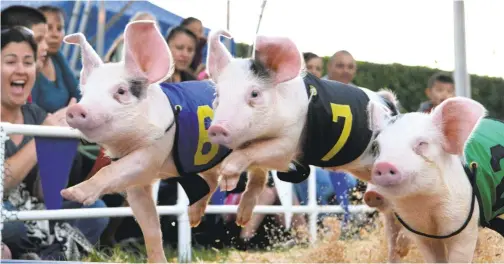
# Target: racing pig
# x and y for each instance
(442, 174)
(149, 129)
(275, 115)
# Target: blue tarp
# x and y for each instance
(165, 18)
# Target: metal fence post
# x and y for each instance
(312, 204)
(3, 138)
(184, 228)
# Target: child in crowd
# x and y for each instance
(439, 88)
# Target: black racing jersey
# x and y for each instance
(337, 129)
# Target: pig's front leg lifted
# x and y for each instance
(197, 210)
(257, 179)
(144, 209)
(140, 167)
(272, 154)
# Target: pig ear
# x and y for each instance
(377, 116)
(218, 55)
(456, 118)
(90, 59)
(280, 55)
(146, 53)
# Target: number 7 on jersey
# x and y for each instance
(344, 111)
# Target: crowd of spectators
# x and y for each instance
(37, 87)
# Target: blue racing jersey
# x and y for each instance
(192, 104)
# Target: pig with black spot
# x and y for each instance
(277, 116)
(150, 130)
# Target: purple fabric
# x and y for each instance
(218, 197)
(55, 158)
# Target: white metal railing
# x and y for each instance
(180, 209)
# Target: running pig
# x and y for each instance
(442, 174)
(275, 115)
(150, 130)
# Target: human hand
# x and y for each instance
(58, 118)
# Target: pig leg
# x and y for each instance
(273, 154)
(267, 197)
(432, 250)
(140, 167)
(397, 242)
(197, 210)
(392, 232)
(462, 247)
(144, 210)
(257, 179)
(403, 243)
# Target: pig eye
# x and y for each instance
(121, 91)
(420, 147)
(375, 149)
(254, 94)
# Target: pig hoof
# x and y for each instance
(194, 223)
(77, 195)
(245, 210)
(194, 219)
(196, 211)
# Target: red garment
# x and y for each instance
(101, 161)
(231, 199)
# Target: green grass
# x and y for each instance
(119, 255)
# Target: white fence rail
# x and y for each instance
(180, 209)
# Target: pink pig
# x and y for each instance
(126, 110)
(398, 241)
(425, 166)
(271, 112)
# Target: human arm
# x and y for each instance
(19, 164)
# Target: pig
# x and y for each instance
(277, 116)
(442, 174)
(397, 238)
(150, 130)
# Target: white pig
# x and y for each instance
(397, 239)
(271, 112)
(424, 166)
(150, 130)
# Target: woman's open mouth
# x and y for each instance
(43, 58)
(18, 87)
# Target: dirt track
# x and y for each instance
(370, 250)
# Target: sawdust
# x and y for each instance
(371, 249)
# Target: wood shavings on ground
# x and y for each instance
(371, 249)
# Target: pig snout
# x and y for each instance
(386, 174)
(77, 117)
(373, 199)
(218, 134)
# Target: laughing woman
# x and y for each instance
(33, 239)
